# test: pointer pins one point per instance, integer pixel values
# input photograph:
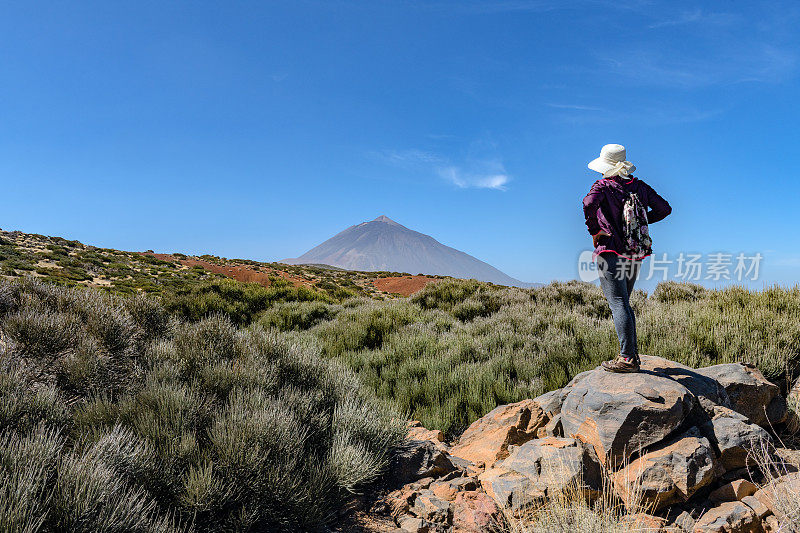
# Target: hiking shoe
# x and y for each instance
(621, 365)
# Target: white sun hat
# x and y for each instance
(612, 162)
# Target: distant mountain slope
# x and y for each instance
(383, 244)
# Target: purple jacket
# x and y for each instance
(602, 208)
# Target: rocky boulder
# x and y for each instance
(749, 391)
(708, 391)
(488, 438)
(644, 522)
(620, 414)
(669, 472)
(736, 437)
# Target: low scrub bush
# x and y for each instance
(115, 417)
(297, 316)
(241, 302)
(457, 349)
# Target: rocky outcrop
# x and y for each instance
(678, 442)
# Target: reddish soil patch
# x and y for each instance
(244, 273)
(404, 285)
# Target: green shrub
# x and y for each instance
(241, 302)
(671, 291)
(289, 316)
(141, 423)
(457, 349)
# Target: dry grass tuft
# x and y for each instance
(577, 510)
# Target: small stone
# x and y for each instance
(417, 432)
(417, 459)
(645, 522)
(430, 507)
(729, 517)
(771, 524)
(399, 501)
(684, 522)
(447, 490)
(735, 490)
(649, 393)
(413, 524)
(755, 504)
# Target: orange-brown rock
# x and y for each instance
(755, 504)
(729, 517)
(750, 393)
(416, 431)
(475, 512)
(782, 497)
(449, 489)
(645, 522)
(488, 438)
(733, 491)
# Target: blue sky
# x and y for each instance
(260, 129)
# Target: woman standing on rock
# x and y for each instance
(618, 209)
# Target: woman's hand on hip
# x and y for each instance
(596, 238)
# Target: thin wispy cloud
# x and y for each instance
(490, 178)
(655, 115)
(576, 107)
(411, 157)
(472, 173)
(759, 62)
(787, 261)
(697, 16)
(701, 48)
(533, 6)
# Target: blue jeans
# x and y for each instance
(617, 276)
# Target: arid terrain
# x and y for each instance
(74, 263)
